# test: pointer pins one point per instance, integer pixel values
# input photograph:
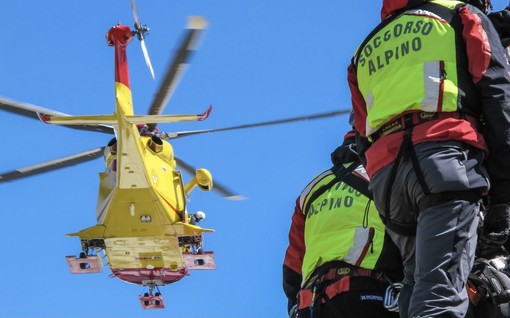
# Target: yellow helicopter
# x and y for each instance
(144, 232)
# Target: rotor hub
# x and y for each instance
(119, 35)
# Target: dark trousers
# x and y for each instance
(352, 304)
(437, 261)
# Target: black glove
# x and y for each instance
(491, 244)
(497, 219)
(496, 231)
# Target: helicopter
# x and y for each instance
(143, 229)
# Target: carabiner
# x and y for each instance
(391, 297)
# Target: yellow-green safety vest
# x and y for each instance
(340, 224)
(402, 68)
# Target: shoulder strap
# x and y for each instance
(359, 184)
(341, 174)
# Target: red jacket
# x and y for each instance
(485, 89)
(389, 260)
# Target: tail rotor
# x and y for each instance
(140, 31)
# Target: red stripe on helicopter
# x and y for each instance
(119, 36)
(170, 205)
(204, 115)
(44, 118)
(104, 208)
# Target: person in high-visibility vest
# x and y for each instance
(430, 90)
(489, 281)
(339, 261)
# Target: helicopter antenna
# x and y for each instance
(140, 31)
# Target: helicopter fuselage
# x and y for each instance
(142, 223)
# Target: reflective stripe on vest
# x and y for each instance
(338, 226)
(402, 68)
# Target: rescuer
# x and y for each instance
(339, 261)
(433, 126)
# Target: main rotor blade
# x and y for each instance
(177, 67)
(147, 58)
(134, 10)
(140, 31)
(221, 189)
(32, 111)
(52, 165)
(260, 124)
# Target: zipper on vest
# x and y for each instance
(368, 245)
(365, 214)
(442, 78)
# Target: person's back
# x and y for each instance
(431, 94)
(482, 286)
(339, 260)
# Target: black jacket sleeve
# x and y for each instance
(291, 285)
(489, 69)
(501, 22)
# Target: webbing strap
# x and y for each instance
(358, 184)
(407, 229)
(409, 150)
(307, 297)
(414, 118)
(341, 174)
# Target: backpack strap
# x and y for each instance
(357, 183)
(342, 174)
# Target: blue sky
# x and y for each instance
(258, 61)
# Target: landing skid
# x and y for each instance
(152, 300)
(85, 264)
